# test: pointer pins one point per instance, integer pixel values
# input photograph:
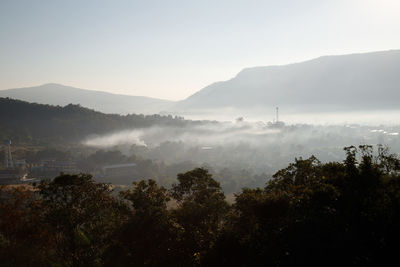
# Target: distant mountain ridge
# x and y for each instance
(355, 82)
(57, 94)
(328, 83)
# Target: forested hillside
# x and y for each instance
(311, 214)
(29, 122)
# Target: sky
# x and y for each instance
(172, 48)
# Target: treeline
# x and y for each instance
(232, 178)
(25, 122)
(332, 214)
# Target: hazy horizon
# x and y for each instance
(176, 100)
(170, 50)
(199, 133)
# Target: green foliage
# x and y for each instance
(200, 212)
(44, 124)
(82, 214)
(330, 214)
(148, 235)
(25, 238)
(312, 213)
(147, 197)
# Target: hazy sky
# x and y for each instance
(171, 49)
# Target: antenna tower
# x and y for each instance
(277, 114)
(8, 161)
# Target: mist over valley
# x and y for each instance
(199, 133)
(250, 149)
(325, 104)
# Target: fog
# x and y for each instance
(363, 117)
(207, 134)
(256, 145)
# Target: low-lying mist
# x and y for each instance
(293, 116)
(259, 146)
(207, 134)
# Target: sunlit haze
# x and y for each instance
(199, 132)
(171, 49)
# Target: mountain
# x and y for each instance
(365, 81)
(25, 122)
(57, 94)
(355, 82)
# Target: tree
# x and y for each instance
(148, 236)
(311, 213)
(25, 238)
(200, 212)
(83, 215)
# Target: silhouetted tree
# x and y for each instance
(25, 237)
(312, 213)
(200, 213)
(83, 215)
(148, 236)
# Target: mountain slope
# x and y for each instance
(30, 122)
(56, 94)
(330, 83)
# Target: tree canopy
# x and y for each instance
(336, 213)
